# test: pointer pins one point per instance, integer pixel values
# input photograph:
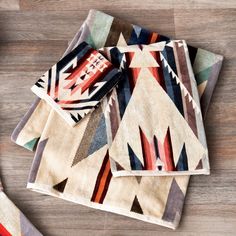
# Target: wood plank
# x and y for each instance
(203, 25)
(197, 219)
(64, 5)
(51, 25)
(9, 5)
(55, 5)
(204, 4)
(30, 55)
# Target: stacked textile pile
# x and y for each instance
(121, 129)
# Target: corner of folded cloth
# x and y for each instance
(12, 220)
(75, 85)
(160, 129)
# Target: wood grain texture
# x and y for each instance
(34, 35)
(9, 5)
(122, 4)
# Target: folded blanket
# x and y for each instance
(67, 166)
(155, 113)
(12, 220)
(99, 30)
(73, 162)
(75, 85)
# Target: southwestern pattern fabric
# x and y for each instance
(12, 220)
(73, 162)
(155, 113)
(76, 84)
(206, 67)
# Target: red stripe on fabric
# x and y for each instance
(3, 231)
(134, 72)
(154, 37)
(147, 152)
(105, 189)
(83, 60)
(92, 80)
(168, 161)
(158, 71)
(80, 64)
(102, 182)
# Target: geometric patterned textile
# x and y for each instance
(75, 85)
(72, 163)
(12, 220)
(206, 67)
(155, 113)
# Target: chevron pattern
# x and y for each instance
(149, 68)
(76, 84)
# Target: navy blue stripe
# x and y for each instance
(135, 163)
(172, 88)
(183, 160)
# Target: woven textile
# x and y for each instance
(153, 118)
(206, 67)
(12, 220)
(75, 85)
(73, 162)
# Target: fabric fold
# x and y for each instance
(155, 113)
(12, 220)
(75, 85)
(73, 162)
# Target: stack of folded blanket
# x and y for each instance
(117, 124)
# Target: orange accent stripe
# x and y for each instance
(154, 37)
(158, 71)
(135, 74)
(169, 161)
(147, 152)
(102, 182)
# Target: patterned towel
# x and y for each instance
(79, 169)
(206, 67)
(12, 220)
(153, 118)
(75, 85)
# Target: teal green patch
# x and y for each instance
(204, 60)
(31, 144)
(90, 41)
(203, 75)
(101, 29)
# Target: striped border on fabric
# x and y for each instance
(103, 181)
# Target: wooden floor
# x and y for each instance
(33, 36)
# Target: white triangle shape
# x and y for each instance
(121, 41)
(147, 60)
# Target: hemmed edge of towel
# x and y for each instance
(44, 189)
(149, 173)
(40, 93)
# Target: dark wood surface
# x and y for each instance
(35, 33)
